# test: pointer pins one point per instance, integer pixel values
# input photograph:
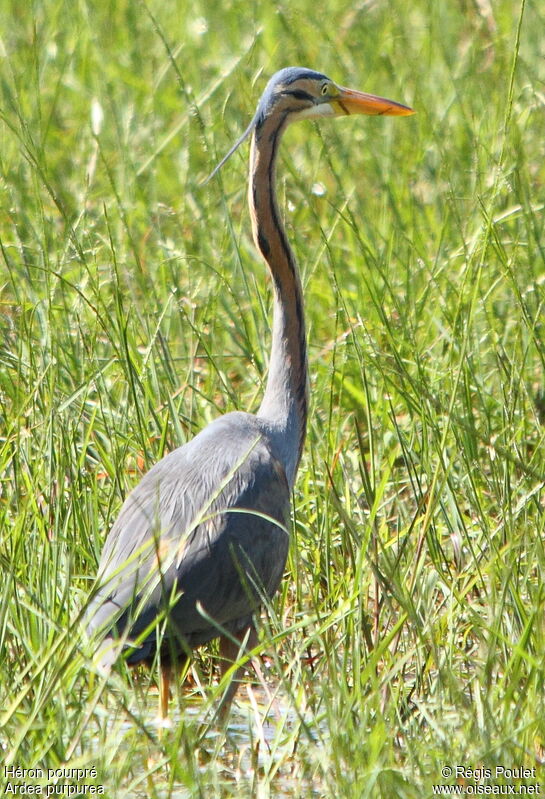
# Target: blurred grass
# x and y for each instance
(409, 633)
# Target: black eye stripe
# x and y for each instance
(299, 94)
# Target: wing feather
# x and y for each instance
(203, 536)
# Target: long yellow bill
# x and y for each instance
(353, 102)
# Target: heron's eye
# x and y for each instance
(325, 88)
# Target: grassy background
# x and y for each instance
(409, 632)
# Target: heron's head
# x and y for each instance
(297, 93)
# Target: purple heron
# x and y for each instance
(201, 542)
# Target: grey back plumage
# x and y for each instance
(203, 537)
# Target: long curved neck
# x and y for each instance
(285, 402)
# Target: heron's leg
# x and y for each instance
(164, 690)
(229, 653)
(168, 672)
